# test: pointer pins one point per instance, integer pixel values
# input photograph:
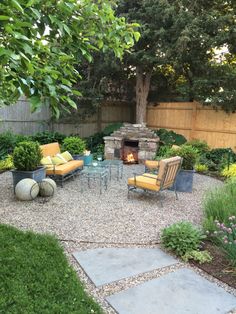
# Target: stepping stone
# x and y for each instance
(180, 292)
(106, 265)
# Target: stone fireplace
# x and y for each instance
(132, 143)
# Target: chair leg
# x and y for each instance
(176, 195)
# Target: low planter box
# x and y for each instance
(184, 181)
(38, 175)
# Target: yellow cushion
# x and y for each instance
(151, 164)
(145, 182)
(61, 157)
(46, 161)
(67, 156)
(65, 168)
(50, 149)
(58, 161)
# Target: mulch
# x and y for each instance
(219, 267)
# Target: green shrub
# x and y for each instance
(182, 237)
(95, 141)
(99, 151)
(170, 138)
(73, 144)
(218, 158)
(201, 146)
(111, 128)
(27, 156)
(7, 163)
(47, 137)
(201, 168)
(219, 204)
(198, 256)
(8, 141)
(229, 172)
(187, 152)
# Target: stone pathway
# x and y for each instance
(180, 291)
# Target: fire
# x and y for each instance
(130, 158)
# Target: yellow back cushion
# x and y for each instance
(50, 149)
(46, 161)
(67, 156)
(58, 161)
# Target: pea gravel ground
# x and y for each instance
(88, 219)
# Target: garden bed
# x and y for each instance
(219, 267)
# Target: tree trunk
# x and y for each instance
(142, 90)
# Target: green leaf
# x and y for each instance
(35, 102)
(16, 4)
(76, 92)
(4, 18)
(71, 103)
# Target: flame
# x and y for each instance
(130, 158)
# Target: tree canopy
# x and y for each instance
(42, 42)
(191, 44)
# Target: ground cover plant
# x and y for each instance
(35, 276)
(182, 238)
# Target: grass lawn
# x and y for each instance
(35, 276)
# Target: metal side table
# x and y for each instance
(95, 173)
(114, 164)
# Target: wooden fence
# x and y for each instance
(195, 121)
(188, 118)
(18, 119)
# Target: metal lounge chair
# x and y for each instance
(165, 179)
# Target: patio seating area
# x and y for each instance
(110, 218)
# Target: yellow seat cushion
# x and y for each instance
(152, 164)
(67, 156)
(65, 168)
(145, 182)
(58, 161)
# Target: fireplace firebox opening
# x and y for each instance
(130, 151)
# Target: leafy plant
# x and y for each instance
(219, 204)
(188, 153)
(27, 156)
(201, 146)
(99, 151)
(74, 145)
(45, 69)
(201, 168)
(219, 158)
(227, 236)
(229, 172)
(95, 142)
(7, 163)
(47, 137)
(181, 238)
(170, 138)
(8, 141)
(198, 256)
(111, 128)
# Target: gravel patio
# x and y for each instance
(107, 218)
(89, 220)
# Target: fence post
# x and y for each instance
(99, 118)
(193, 121)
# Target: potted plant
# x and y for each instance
(184, 181)
(26, 160)
(77, 148)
